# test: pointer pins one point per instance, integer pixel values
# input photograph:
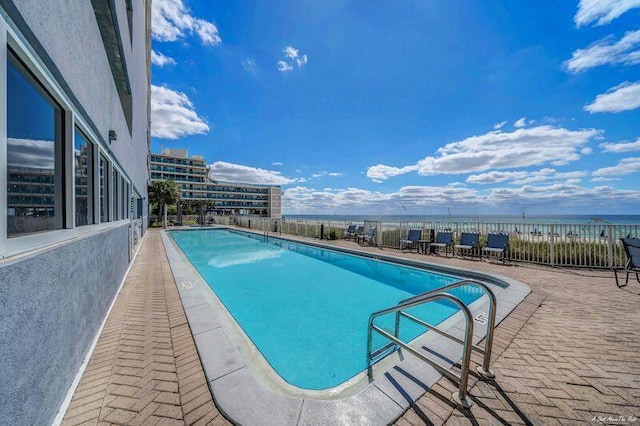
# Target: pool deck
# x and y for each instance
(568, 353)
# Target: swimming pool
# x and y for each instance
(306, 308)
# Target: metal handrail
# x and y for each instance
(483, 370)
(467, 343)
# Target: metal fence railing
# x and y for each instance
(588, 245)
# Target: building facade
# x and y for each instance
(228, 198)
(74, 146)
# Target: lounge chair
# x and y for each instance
(359, 232)
(413, 238)
(369, 237)
(632, 249)
(350, 232)
(469, 241)
(443, 240)
(498, 244)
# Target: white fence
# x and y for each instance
(592, 245)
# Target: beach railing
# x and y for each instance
(585, 245)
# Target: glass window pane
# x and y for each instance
(34, 154)
(129, 201)
(124, 198)
(104, 190)
(116, 191)
(83, 171)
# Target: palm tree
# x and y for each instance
(164, 192)
(202, 207)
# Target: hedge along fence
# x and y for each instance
(592, 245)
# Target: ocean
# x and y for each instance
(529, 219)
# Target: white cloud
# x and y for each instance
(173, 115)
(249, 65)
(329, 174)
(623, 97)
(499, 125)
(498, 150)
(381, 172)
(32, 153)
(586, 150)
(159, 59)
(604, 179)
(520, 123)
(607, 51)
(329, 200)
(495, 177)
(171, 20)
(565, 197)
(284, 67)
(277, 163)
(621, 146)
(602, 11)
(291, 52)
(229, 172)
(523, 177)
(626, 166)
(292, 59)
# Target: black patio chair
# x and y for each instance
(632, 249)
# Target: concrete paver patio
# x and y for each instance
(569, 353)
(145, 368)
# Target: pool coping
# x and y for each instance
(250, 394)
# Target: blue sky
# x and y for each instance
(409, 107)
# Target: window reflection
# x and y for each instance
(83, 171)
(104, 187)
(34, 154)
(116, 191)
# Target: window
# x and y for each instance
(34, 154)
(104, 189)
(125, 199)
(83, 173)
(129, 201)
(116, 198)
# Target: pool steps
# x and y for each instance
(459, 397)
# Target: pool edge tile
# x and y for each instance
(247, 402)
(218, 355)
(202, 318)
(371, 406)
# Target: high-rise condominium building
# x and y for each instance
(227, 197)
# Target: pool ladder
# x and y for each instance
(460, 397)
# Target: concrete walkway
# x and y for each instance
(568, 354)
(145, 368)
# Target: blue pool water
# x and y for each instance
(306, 309)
